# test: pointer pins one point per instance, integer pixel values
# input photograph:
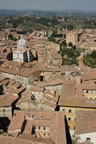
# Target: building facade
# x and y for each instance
(22, 54)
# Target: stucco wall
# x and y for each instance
(6, 112)
(55, 88)
(38, 95)
(83, 137)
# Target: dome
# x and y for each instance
(22, 43)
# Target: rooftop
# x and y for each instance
(85, 122)
(72, 95)
(54, 120)
(7, 100)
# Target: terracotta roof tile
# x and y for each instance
(85, 122)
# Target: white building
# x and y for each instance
(22, 54)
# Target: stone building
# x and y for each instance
(41, 127)
(22, 54)
(85, 127)
(73, 99)
(72, 37)
(6, 105)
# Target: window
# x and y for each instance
(48, 128)
(69, 119)
(71, 36)
(44, 128)
(69, 111)
(64, 110)
(4, 110)
(48, 134)
(38, 127)
(88, 139)
(25, 81)
(86, 91)
(41, 116)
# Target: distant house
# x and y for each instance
(6, 105)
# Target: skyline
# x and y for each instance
(49, 5)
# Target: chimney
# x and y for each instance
(67, 73)
(78, 79)
(88, 140)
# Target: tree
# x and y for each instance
(57, 35)
(15, 25)
(64, 43)
(10, 36)
(52, 39)
(64, 35)
(70, 27)
(74, 47)
(93, 54)
(69, 56)
(70, 44)
(90, 59)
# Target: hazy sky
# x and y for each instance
(49, 4)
